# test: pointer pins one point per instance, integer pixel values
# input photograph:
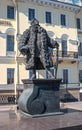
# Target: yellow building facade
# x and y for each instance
(62, 21)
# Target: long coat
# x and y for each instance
(35, 44)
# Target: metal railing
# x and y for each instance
(68, 54)
(67, 97)
(8, 99)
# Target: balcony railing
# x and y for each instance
(8, 99)
(68, 54)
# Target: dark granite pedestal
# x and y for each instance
(40, 96)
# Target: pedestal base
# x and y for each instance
(26, 115)
(41, 96)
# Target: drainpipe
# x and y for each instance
(17, 36)
(15, 2)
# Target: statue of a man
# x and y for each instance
(35, 44)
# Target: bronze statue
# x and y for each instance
(35, 44)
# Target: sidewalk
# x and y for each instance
(7, 107)
(11, 119)
(74, 105)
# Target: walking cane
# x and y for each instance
(56, 65)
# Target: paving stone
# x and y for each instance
(70, 120)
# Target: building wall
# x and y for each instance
(72, 70)
(55, 27)
(3, 15)
(7, 27)
(4, 64)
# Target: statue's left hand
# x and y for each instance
(56, 45)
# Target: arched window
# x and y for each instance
(10, 43)
(64, 44)
(64, 47)
(10, 39)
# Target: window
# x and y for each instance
(47, 75)
(31, 14)
(80, 49)
(10, 76)
(10, 43)
(65, 75)
(64, 47)
(78, 23)
(63, 20)
(80, 76)
(76, 2)
(10, 12)
(30, 73)
(48, 17)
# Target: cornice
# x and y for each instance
(3, 86)
(80, 11)
(4, 58)
(3, 35)
(55, 4)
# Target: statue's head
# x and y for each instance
(34, 22)
(34, 25)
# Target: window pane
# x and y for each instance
(47, 75)
(8, 81)
(80, 76)
(76, 1)
(10, 43)
(10, 76)
(64, 48)
(78, 23)
(63, 20)
(10, 12)
(48, 17)
(30, 73)
(31, 14)
(65, 75)
(80, 49)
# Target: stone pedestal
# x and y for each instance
(40, 96)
